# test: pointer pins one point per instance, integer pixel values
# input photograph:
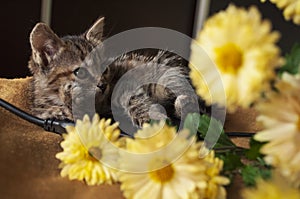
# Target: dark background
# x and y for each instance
(74, 17)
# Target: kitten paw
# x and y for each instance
(157, 112)
(144, 115)
(185, 105)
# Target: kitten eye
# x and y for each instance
(81, 73)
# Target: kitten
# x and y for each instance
(67, 78)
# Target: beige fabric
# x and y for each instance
(28, 167)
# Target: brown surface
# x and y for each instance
(243, 120)
(29, 169)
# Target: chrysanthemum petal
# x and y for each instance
(242, 46)
(276, 188)
(177, 178)
(78, 158)
(280, 117)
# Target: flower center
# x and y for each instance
(162, 175)
(94, 154)
(229, 58)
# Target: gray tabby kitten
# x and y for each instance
(66, 77)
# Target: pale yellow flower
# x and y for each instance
(242, 47)
(89, 151)
(165, 175)
(291, 9)
(151, 138)
(276, 188)
(280, 117)
(213, 188)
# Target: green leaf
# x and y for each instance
(217, 130)
(251, 173)
(191, 123)
(152, 122)
(231, 161)
(254, 151)
(262, 162)
(292, 64)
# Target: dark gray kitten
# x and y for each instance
(70, 80)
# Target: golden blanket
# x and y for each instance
(28, 167)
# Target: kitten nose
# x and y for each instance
(102, 86)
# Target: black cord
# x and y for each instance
(240, 134)
(53, 125)
(21, 113)
(59, 126)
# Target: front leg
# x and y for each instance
(142, 109)
(185, 104)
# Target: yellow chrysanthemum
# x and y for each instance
(184, 175)
(280, 117)
(277, 188)
(291, 9)
(213, 188)
(86, 148)
(242, 48)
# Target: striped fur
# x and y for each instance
(66, 79)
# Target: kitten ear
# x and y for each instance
(45, 44)
(95, 33)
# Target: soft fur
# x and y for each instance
(67, 78)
